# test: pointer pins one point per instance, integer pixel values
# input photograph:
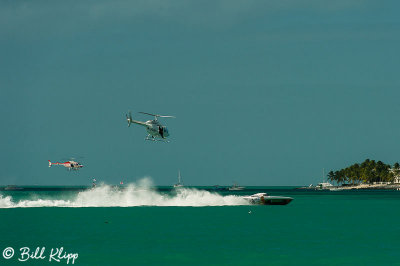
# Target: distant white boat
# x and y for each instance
(324, 185)
(13, 187)
(336, 189)
(180, 182)
(236, 187)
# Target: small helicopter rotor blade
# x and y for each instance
(127, 119)
(72, 158)
(164, 116)
(148, 114)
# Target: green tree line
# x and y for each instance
(368, 171)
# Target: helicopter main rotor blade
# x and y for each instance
(165, 116)
(72, 158)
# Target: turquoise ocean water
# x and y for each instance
(316, 228)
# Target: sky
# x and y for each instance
(264, 92)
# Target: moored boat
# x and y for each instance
(236, 187)
(13, 187)
(324, 186)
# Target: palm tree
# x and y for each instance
(367, 172)
(331, 176)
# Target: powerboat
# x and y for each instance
(235, 187)
(265, 199)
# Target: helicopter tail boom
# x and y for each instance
(130, 120)
(56, 163)
(50, 163)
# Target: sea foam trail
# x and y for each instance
(132, 195)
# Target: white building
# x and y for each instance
(396, 176)
(396, 179)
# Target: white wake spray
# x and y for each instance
(132, 195)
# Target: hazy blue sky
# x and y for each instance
(265, 92)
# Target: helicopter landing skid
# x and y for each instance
(154, 139)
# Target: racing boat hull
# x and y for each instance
(263, 199)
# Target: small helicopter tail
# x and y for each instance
(129, 118)
(50, 163)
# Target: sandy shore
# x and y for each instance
(369, 186)
(357, 187)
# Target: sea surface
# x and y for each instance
(139, 225)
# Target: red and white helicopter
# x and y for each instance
(70, 165)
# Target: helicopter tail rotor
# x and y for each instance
(129, 118)
(49, 163)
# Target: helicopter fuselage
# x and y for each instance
(70, 165)
(156, 129)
